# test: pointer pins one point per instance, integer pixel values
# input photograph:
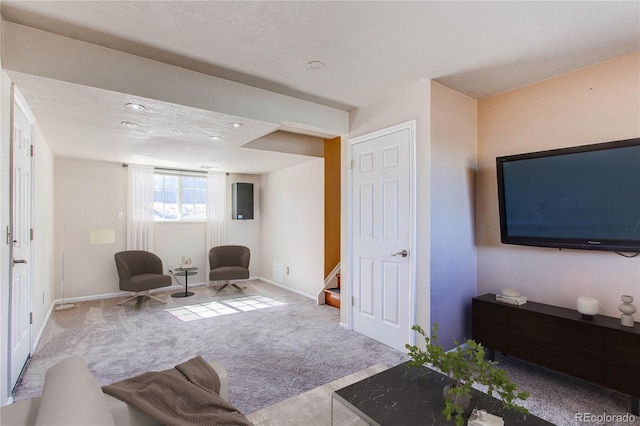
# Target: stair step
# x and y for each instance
(332, 297)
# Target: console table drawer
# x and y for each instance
(584, 365)
(522, 346)
(490, 325)
(525, 325)
(621, 377)
(577, 336)
(622, 361)
(623, 347)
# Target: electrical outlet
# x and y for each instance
(288, 270)
(170, 268)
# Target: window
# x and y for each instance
(179, 197)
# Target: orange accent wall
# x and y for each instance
(331, 204)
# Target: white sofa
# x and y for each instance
(71, 396)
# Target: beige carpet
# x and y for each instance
(271, 354)
(313, 408)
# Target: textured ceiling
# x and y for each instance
(370, 49)
(167, 135)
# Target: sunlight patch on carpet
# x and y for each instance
(223, 307)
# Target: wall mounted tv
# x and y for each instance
(585, 197)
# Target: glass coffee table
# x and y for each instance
(186, 273)
(408, 396)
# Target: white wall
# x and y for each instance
(172, 241)
(595, 104)
(292, 226)
(445, 252)
(410, 104)
(453, 187)
(43, 227)
(83, 187)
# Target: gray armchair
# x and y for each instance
(229, 263)
(139, 272)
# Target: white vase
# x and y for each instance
(587, 306)
(627, 309)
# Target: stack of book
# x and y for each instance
(512, 300)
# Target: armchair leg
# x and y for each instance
(135, 296)
(140, 297)
(219, 289)
(229, 284)
(156, 298)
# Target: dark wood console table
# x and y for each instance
(598, 350)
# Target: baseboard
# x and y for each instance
(36, 341)
(47, 317)
(121, 294)
(293, 290)
(173, 287)
(344, 325)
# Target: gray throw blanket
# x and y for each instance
(186, 395)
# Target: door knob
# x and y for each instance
(19, 261)
(402, 253)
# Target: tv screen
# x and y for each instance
(585, 197)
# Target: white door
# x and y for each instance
(382, 220)
(20, 328)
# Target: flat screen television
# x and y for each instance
(584, 197)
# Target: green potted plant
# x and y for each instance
(465, 365)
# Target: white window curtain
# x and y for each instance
(216, 210)
(140, 208)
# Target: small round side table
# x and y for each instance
(184, 272)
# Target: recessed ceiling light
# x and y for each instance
(128, 124)
(236, 125)
(136, 106)
(315, 65)
(215, 138)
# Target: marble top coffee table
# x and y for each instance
(408, 396)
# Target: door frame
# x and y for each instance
(348, 294)
(18, 101)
